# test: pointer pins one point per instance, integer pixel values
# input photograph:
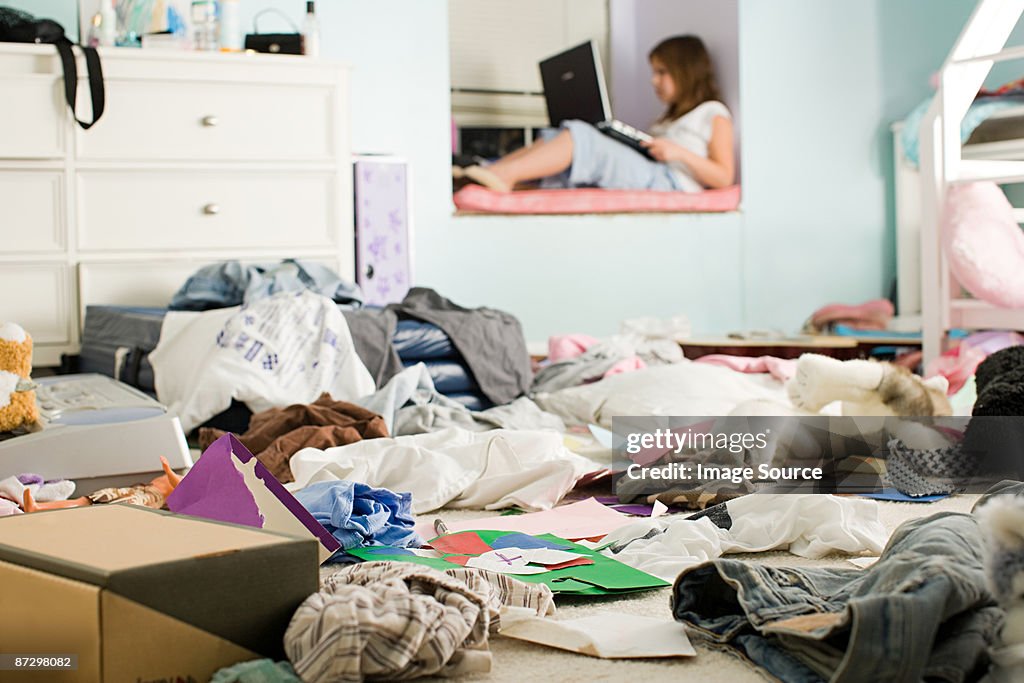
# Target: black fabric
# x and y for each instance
(21, 27)
(490, 341)
(1000, 365)
(718, 514)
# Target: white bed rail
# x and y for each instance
(980, 45)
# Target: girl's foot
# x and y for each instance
(487, 178)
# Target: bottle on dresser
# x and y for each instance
(204, 24)
(107, 36)
(230, 26)
(310, 32)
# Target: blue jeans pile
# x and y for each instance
(922, 612)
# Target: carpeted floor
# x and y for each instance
(517, 661)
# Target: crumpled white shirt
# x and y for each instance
(454, 467)
(808, 525)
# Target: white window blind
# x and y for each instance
(495, 48)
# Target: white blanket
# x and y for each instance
(806, 524)
(680, 389)
(455, 468)
(284, 349)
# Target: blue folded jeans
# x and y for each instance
(922, 612)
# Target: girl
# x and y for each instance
(692, 147)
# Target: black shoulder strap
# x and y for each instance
(96, 90)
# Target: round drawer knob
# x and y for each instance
(211, 209)
(209, 121)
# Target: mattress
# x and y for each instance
(595, 200)
(998, 129)
(116, 341)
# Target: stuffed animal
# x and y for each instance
(17, 399)
(1002, 523)
(866, 388)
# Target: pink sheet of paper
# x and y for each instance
(585, 519)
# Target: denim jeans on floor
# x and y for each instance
(922, 612)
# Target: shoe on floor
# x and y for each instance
(485, 177)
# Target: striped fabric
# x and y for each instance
(396, 621)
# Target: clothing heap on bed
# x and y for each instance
(364, 416)
(117, 340)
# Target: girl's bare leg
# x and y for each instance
(536, 161)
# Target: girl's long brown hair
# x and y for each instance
(689, 65)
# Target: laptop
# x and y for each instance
(574, 88)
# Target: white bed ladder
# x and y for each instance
(980, 45)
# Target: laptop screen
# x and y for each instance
(574, 85)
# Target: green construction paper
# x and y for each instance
(605, 577)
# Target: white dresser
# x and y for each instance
(198, 158)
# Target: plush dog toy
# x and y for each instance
(17, 399)
(866, 388)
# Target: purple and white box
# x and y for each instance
(383, 229)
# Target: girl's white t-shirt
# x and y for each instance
(692, 130)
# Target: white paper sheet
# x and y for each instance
(611, 635)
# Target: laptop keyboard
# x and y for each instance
(626, 134)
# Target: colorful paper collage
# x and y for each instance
(590, 574)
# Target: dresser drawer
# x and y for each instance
(38, 298)
(33, 118)
(178, 121)
(33, 209)
(175, 210)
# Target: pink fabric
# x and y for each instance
(566, 346)
(870, 315)
(596, 200)
(780, 368)
(959, 363)
(626, 365)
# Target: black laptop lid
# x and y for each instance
(574, 85)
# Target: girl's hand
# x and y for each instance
(663, 149)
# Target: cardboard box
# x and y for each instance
(146, 596)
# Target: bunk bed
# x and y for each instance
(1000, 136)
(943, 163)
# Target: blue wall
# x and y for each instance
(821, 80)
(820, 84)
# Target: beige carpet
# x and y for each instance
(517, 661)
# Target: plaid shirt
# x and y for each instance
(396, 621)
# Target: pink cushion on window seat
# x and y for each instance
(595, 200)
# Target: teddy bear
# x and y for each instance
(17, 398)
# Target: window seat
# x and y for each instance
(477, 199)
